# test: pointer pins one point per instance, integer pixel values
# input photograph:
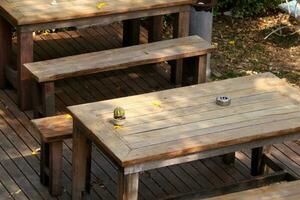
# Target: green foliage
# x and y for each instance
(245, 8)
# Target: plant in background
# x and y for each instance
(246, 8)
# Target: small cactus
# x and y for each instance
(119, 113)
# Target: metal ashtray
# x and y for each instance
(223, 101)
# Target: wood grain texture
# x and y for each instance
(5, 50)
(24, 55)
(118, 58)
(54, 128)
(34, 12)
(18, 139)
(282, 191)
(169, 124)
(128, 186)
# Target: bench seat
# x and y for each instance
(279, 191)
(91, 63)
(192, 49)
(53, 130)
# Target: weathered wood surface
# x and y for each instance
(182, 121)
(282, 191)
(120, 58)
(19, 168)
(54, 128)
(33, 12)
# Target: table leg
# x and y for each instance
(80, 164)
(24, 55)
(181, 29)
(131, 32)
(5, 48)
(128, 186)
(257, 162)
(155, 30)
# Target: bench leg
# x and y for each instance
(44, 164)
(229, 159)
(5, 49)
(155, 30)
(43, 99)
(194, 67)
(48, 99)
(24, 55)
(199, 75)
(181, 29)
(257, 162)
(55, 168)
(131, 32)
(128, 186)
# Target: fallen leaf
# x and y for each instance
(117, 127)
(68, 116)
(231, 42)
(156, 103)
(100, 5)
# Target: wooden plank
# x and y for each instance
(287, 191)
(231, 189)
(81, 148)
(88, 64)
(104, 174)
(181, 29)
(54, 128)
(257, 162)
(131, 32)
(5, 50)
(30, 12)
(16, 134)
(25, 55)
(204, 91)
(128, 186)
(13, 190)
(155, 30)
(143, 154)
(55, 168)
(167, 137)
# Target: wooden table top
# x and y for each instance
(23, 12)
(181, 121)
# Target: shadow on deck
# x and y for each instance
(19, 158)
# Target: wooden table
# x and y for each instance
(28, 16)
(185, 124)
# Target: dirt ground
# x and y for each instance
(243, 50)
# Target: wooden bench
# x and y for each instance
(282, 191)
(193, 49)
(53, 131)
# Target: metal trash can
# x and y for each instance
(201, 23)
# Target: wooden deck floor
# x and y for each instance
(19, 162)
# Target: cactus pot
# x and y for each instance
(119, 122)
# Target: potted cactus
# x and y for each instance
(119, 116)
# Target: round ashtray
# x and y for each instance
(223, 101)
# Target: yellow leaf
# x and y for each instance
(68, 116)
(231, 42)
(100, 5)
(117, 127)
(35, 152)
(156, 103)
